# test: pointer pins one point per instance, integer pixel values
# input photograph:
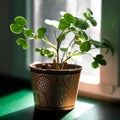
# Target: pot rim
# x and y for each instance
(73, 68)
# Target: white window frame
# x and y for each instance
(108, 88)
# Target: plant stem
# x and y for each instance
(49, 43)
(58, 45)
(70, 44)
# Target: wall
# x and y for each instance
(5, 41)
(12, 58)
(111, 30)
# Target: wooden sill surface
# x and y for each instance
(105, 92)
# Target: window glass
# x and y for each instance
(42, 12)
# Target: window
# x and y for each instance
(77, 8)
(105, 79)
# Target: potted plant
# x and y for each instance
(55, 85)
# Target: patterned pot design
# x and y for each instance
(55, 89)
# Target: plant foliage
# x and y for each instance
(67, 24)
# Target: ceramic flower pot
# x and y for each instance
(55, 89)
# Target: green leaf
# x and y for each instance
(93, 22)
(16, 28)
(20, 20)
(82, 24)
(27, 32)
(83, 35)
(20, 41)
(25, 45)
(41, 31)
(88, 13)
(69, 18)
(99, 59)
(63, 49)
(50, 55)
(37, 49)
(97, 44)
(99, 56)
(77, 40)
(63, 24)
(102, 62)
(61, 37)
(108, 45)
(45, 52)
(85, 46)
(95, 64)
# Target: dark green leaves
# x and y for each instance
(93, 21)
(106, 44)
(85, 46)
(82, 24)
(88, 15)
(98, 60)
(95, 43)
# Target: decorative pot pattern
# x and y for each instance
(54, 91)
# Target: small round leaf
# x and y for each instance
(20, 20)
(27, 32)
(69, 18)
(85, 46)
(41, 32)
(63, 24)
(16, 28)
(20, 41)
(95, 64)
(25, 45)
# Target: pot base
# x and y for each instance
(55, 108)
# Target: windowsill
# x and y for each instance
(105, 92)
(12, 106)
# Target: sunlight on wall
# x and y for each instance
(15, 102)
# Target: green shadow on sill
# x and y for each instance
(16, 101)
(22, 102)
